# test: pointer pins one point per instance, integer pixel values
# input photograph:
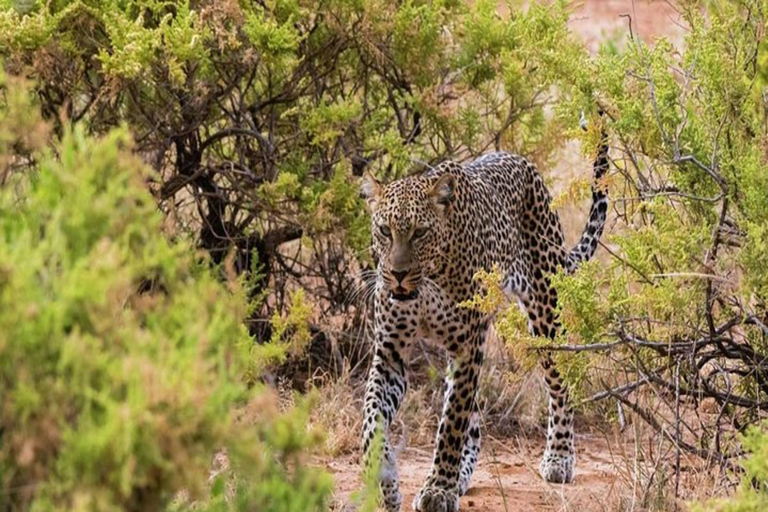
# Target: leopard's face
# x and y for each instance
(409, 230)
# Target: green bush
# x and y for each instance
(678, 307)
(122, 355)
(751, 495)
(257, 117)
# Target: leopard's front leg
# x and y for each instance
(394, 329)
(440, 492)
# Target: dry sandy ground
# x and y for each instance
(507, 477)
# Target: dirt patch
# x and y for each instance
(506, 478)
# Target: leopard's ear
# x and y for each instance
(370, 188)
(443, 192)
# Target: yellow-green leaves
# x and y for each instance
(290, 336)
(106, 389)
(122, 355)
(750, 496)
(276, 39)
(326, 122)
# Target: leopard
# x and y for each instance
(431, 233)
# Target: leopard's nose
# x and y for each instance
(400, 276)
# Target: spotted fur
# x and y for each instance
(431, 233)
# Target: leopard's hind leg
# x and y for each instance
(557, 464)
(542, 238)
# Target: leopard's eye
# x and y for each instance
(384, 230)
(418, 233)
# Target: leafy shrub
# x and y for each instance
(676, 314)
(751, 495)
(121, 354)
(256, 117)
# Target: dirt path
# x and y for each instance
(507, 478)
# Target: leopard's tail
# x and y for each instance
(587, 245)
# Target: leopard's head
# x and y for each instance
(410, 228)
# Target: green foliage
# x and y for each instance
(751, 495)
(290, 336)
(121, 354)
(688, 250)
(369, 499)
(283, 104)
(755, 258)
(689, 145)
(17, 109)
(257, 119)
(491, 296)
(511, 323)
(102, 384)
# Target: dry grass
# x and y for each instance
(339, 414)
(629, 470)
(510, 402)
